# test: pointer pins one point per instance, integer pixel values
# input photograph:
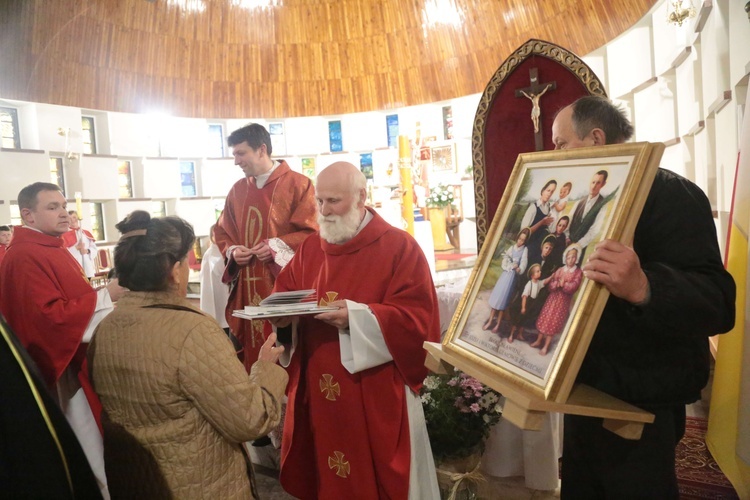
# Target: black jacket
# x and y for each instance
(657, 354)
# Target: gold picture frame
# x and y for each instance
(630, 170)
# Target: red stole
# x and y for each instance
(369, 457)
(71, 237)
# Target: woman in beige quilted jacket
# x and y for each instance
(177, 402)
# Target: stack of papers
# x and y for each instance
(292, 303)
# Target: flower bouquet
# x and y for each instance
(459, 412)
(440, 197)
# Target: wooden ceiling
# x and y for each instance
(223, 59)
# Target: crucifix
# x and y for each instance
(534, 92)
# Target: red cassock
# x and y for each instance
(347, 435)
(48, 302)
(283, 208)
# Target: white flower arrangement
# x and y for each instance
(440, 197)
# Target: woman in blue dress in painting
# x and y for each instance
(515, 260)
(537, 218)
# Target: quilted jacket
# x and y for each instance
(177, 401)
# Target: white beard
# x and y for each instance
(338, 229)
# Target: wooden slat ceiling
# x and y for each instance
(297, 58)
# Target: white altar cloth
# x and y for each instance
(509, 450)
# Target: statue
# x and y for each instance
(535, 110)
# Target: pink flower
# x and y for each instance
(475, 408)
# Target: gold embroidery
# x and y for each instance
(337, 462)
(331, 388)
(253, 234)
(330, 297)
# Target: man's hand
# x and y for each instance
(618, 268)
(338, 318)
(262, 251)
(281, 321)
(242, 255)
(115, 290)
(269, 351)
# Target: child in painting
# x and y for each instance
(559, 205)
(526, 308)
(514, 263)
(562, 285)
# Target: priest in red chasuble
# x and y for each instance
(354, 426)
(266, 217)
(47, 300)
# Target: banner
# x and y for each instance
(728, 435)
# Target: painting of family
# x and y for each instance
(533, 279)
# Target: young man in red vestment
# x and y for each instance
(354, 426)
(81, 244)
(265, 218)
(49, 303)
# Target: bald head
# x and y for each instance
(344, 175)
(340, 192)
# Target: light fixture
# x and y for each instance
(65, 132)
(251, 5)
(442, 12)
(678, 11)
(188, 5)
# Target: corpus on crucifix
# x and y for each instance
(534, 93)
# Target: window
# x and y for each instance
(9, 125)
(89, 136)
(97, 221)
(391, 123)
(187, 177)
(158, 209)
(215, 141)
(334, 136)
(124, 179)
(278, 140)
(15, 214)
(218, 207)
(56, 173)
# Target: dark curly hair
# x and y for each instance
(145, 261)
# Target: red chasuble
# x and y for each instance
(283, 208)
(347, 435)
(48, 302)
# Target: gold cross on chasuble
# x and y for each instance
(330, 297)
(329, 387)
(337, 462)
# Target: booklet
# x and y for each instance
(292, 303)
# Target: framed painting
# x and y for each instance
(443, 159)
(528, 313)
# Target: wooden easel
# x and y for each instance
(525, 410)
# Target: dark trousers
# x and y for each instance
(599, 464)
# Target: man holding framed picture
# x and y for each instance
(669, 293)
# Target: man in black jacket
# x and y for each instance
(669, 293)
